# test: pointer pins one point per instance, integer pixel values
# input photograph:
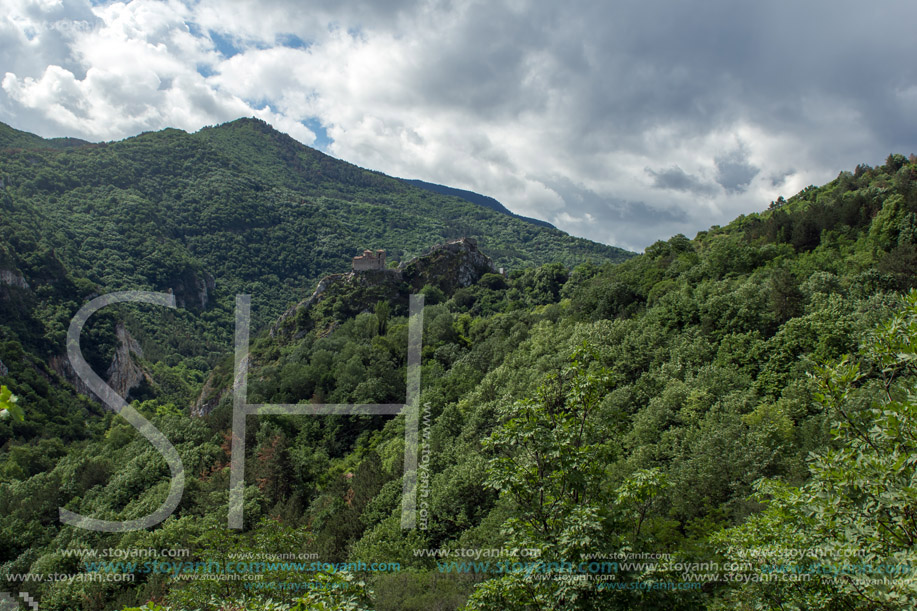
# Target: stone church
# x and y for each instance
(369, 260)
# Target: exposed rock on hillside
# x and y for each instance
(337, 297)
(13, 278)
(449, 266)
(123, 375)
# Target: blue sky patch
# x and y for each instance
(322, 141)
(292, 41)
(224, 44)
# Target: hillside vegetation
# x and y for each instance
(687, 402)
(237, 208)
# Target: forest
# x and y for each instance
(723, 422)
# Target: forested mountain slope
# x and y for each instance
(592, 412)
(471, 196)
(237, 208)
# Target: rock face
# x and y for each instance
(213, 392)
(193, 289)
(3, 369)
(123, 375)
(12, 278)
(341, 296)
(448, 266)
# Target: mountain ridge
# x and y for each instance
(475, 198)
(231, 209)
(284, 145)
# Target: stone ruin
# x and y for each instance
(369, 260)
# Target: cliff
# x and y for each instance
(337, 297)
(448, 267)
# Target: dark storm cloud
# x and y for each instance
(678, 180)
(677, 115)
(627, 67)
(733, 171)
(583, 200)
(632, 223)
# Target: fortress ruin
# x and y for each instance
(369, 260)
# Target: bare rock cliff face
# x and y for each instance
(450, 266)
(193, 290)
(123, 375)
(13, 278)
(212, 393)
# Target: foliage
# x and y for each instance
(593, 412)
(855, 515)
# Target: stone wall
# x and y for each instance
(369, 260)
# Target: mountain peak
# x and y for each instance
(243, 122)
(11, 137)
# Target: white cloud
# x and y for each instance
(624, 122)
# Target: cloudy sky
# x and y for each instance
(623, 121)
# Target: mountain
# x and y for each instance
(236, 208)
(11, 138)
(701, 401)
(475, 198)
(611, 408)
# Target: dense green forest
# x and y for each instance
(238, 208)
(724, 422)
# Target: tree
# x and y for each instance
(550, 459)
(854, 524)
(383, 313)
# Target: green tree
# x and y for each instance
(550, 457)
(859, 509)
(383, 313)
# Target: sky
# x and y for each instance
(622, 121)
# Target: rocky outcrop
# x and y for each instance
(193, 289)
(13, 278)
(61, 366)
(3, 369)
(450, 266)
(123, 375)
(213, 392)
(205, 286)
